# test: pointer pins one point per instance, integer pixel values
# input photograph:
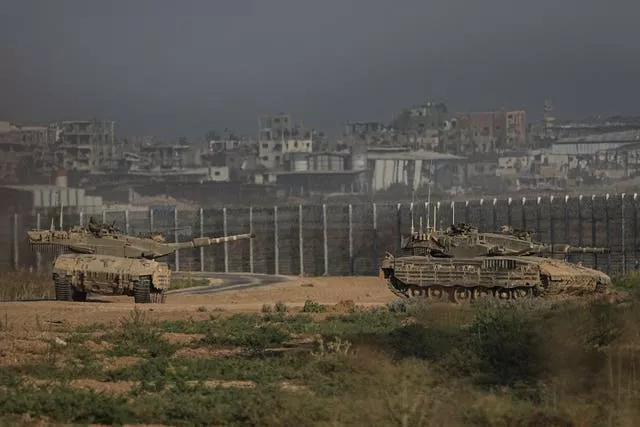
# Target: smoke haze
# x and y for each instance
(171, 68)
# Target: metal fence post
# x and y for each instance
(566, 219)
(410, 215)
(509, 218)
(226, 244)
(399, 225)
(201, 214)
(538, 214)
(81, 218)
(175, 237)
(495, 214)
(151, 221)
(607, 230)
(481, 219)
(301, 239)
(326, 239)
(251, 267)
(104, 216)
(126, 221)
(580, 238)
(635, 230)
(16, 261)
(351, 260)
(466, 212)
(375, 236)
(593, 228)
(275, 240)
(38, 253)
(552, 225)
(453, 212)
(622, 231)
(524, 213)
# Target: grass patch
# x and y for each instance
(187, 282)
(25, 285)
(492, 363)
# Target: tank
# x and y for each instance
(461, 264)
(102, 260)
(75, 275)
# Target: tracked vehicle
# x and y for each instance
(461, 264)
(101, 260)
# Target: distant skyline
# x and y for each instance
(170, 69)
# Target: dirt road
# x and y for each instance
(47, 315)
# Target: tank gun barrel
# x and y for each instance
(208, 241)
(563, 248)
(199, 242)
(587, 250)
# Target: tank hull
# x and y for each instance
(76, 275)
(502, 277)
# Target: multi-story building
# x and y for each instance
(486, 132)
(278, 136)
(26, 154)
(428, 116)
(86, 145)
(361, 128)
(515, 133)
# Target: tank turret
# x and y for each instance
(84, 241)
(102, 260)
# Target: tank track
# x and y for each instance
(458, 294)
(145, 293)
(65, 292)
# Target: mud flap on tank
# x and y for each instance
(142, 291)
(145, 293)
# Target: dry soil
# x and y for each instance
(51, 315)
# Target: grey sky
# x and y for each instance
(170, 68)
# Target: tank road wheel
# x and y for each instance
(461, 295)
(521, 293)
(142, 291)
(435, 293)
(417, 293)
(63, 288)
(503, 294)
(482, 293)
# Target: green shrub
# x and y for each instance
(281, 307)
(313, 307)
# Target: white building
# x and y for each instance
(271, 152)
(415, 168)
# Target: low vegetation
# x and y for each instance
(188, 282)
(526, 363)
(25, 284)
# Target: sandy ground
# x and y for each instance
(51, 315)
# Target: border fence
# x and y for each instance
(341, 240)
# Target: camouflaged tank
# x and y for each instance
(101, 260)
(461, 264)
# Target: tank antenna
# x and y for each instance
(435, 216)
(428, 205)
